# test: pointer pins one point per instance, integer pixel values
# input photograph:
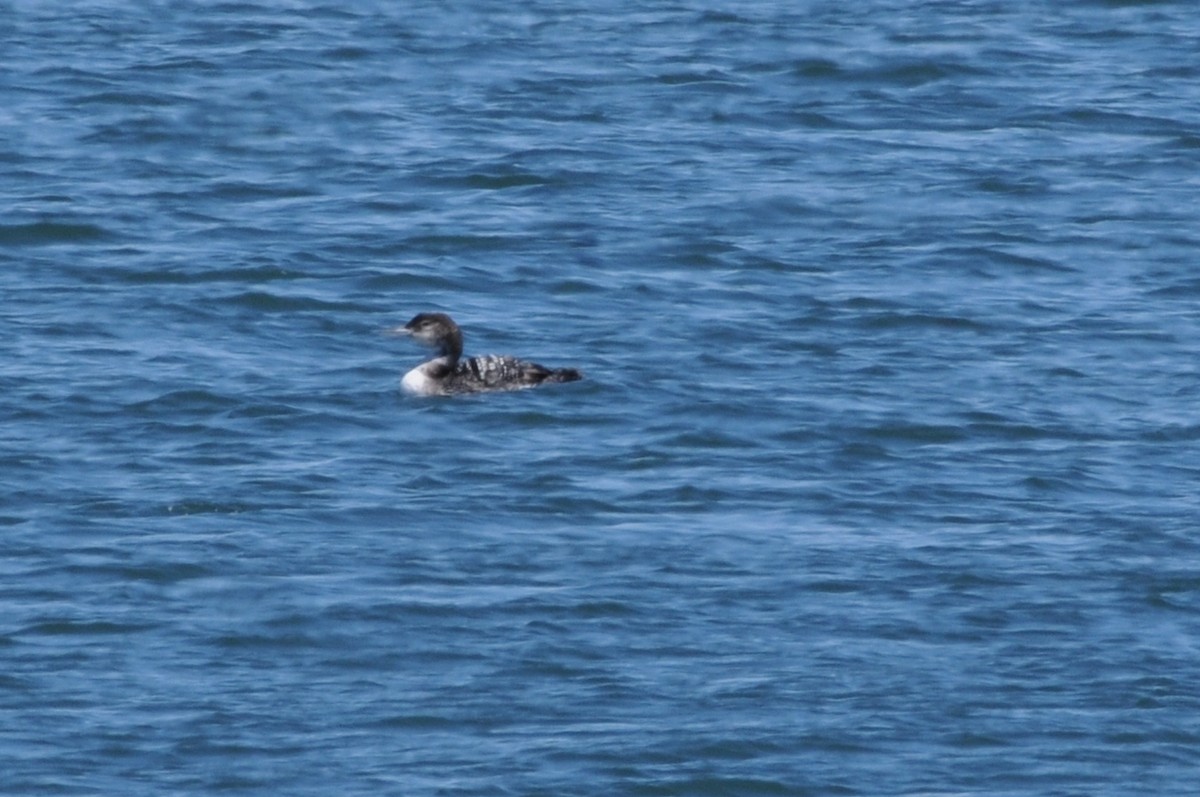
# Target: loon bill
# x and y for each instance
(449, 374)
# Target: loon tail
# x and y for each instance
(562, 375)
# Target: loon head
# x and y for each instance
(437, 330)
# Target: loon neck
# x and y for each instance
(451, 347)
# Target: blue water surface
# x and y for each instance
(883, 478)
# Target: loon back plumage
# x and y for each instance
(449, 374)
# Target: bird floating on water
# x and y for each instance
(449, 374)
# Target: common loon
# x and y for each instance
(448, 374)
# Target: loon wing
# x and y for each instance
(502, 372)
